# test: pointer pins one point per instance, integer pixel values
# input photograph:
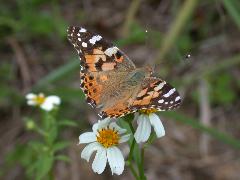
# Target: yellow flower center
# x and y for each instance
(108, 137)
(148, 111)
(39, 99)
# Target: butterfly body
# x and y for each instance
(111, 81)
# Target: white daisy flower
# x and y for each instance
(104, 139)
(46, 103)
(145, 120)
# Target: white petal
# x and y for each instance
(100, 161)
(31, 96)
(53, 99)
(47, 106)
(87, 137)
(89, 149)
(143, 130)
(50, 102)
(31, 103)
(101, 124)
(116, 160)
(95, 127)
(157, 125)
(116, 127)
(124, 138)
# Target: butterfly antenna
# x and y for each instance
(147, 46)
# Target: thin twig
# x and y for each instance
(21, 61)
(132, 10)
(205, 115)
(176, 28)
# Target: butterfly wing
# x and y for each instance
(96, 54)
(153, 94)
(98, 59)
(156, 94)
(103, 64)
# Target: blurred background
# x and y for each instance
(194, 45)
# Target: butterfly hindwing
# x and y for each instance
(156, 94)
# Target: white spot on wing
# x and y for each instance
(160, 86)
(84, 44)
(79, 52)
(91, 105)
(177, 98)
(161, 101)
(169, 92)
(79, 39)
(110, 51)
(82, 30)
(95, 38)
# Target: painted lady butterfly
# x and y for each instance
(111, 81)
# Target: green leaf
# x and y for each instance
(20, 154)
(68, 122)
(233, 8)
(59, 73)
(150, 140)
(44, 165)
(53, 133)
(218, 93)
(60, 145)
(32, 168)
(36, 145)
(63, 158)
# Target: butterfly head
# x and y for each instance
(148, 70)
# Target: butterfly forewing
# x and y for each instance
(98, 57)
(96, 53)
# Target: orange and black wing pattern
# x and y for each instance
(96, 57)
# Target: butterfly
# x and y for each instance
(111, 81)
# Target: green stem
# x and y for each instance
(134, 172)
(176, 28)
(141, 165)
(233, 9)
(131, 152)
(41, 131)
(130, 157)
(130, 17)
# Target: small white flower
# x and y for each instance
(104, 139)
(46, 103)
(145, 120)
